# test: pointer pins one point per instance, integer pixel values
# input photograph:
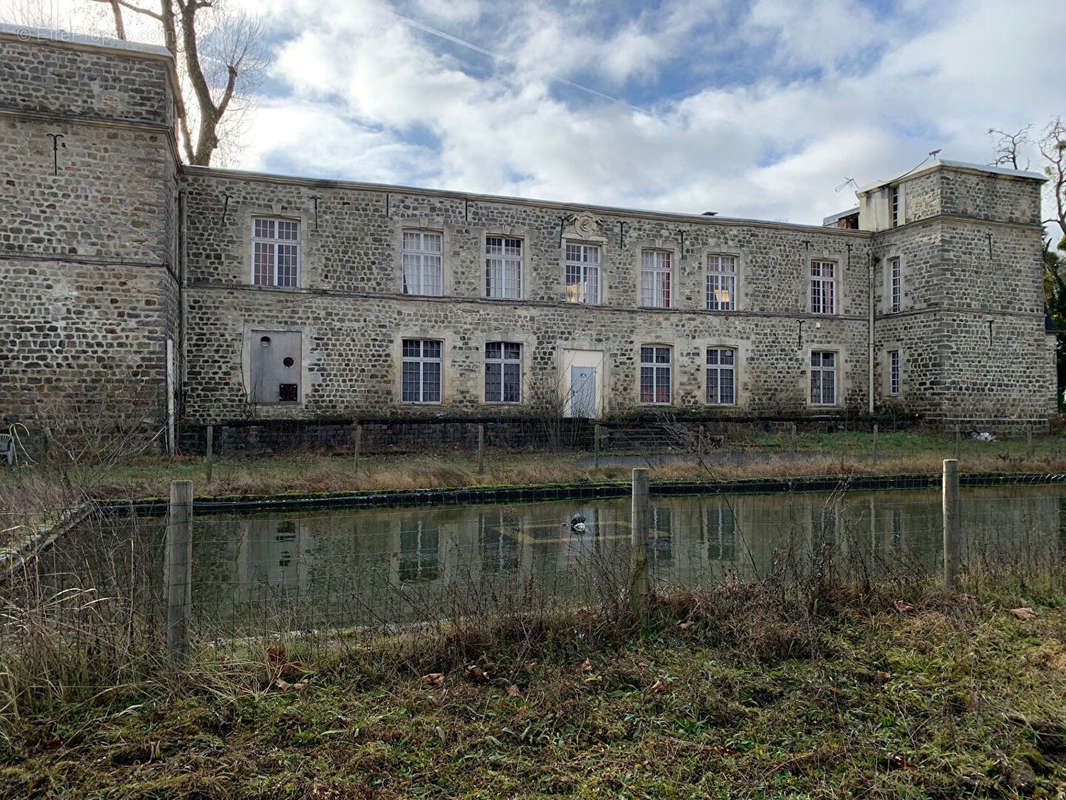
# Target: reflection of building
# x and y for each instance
(232, 296)
(401, 564)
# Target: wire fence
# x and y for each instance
(274, 573)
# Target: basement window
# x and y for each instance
(275, 365)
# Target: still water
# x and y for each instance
(396, 565)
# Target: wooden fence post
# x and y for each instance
(177, 570)
(951, 524)
(209, 451)
(639, 519)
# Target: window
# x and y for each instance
(275, 252)
(823, 378)
(721, 383)
(655, 279)
(503, 267)
(823, 287)
(422, 272)
(582, 273)
(893, 372)
(894, 191)
(721, 283)
(421, 371)
(503, 372)
(655, 375)
(895, 288)
(275, 366)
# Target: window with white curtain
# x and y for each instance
(656, 279)
(582, 273)
(422, 263)
(823, 287)
(275, 252)
(503, 267)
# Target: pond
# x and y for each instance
(400, 565)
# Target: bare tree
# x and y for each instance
(1053, 148)
(1009, 147)
(219, 58)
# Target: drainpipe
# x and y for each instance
(870, 336)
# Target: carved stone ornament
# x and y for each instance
(586, 228)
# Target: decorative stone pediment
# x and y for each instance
(585, 227)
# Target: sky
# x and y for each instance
(755, 109)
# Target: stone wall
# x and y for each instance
(352, 314)
(45, 71)
(87, 241)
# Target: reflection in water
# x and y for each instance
(397, 565)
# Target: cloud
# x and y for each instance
(756, 108)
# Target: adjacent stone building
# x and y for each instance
(139, 288)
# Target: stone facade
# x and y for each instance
(88, 231)
(123, 248)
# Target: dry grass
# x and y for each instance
(311, 473)
(731, 693)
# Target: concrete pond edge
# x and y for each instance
(568, 491)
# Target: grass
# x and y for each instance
(764, 455)
(729, 694)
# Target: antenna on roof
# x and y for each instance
(847, 180)
(933, 153)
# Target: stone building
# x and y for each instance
(139, 288)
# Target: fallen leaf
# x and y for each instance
(1023, 613)
(282, 684)
(276, 655)
(900, 762)
(434, 679)
(685, 625)
(513, 691)
(883, 676)
(903, 607)
(474, 671)
(586, 666)
(659, 686)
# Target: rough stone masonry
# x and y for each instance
(134, 285)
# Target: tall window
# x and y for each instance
(503, 267)
(823, 287)
(655, 279)
(422, 271)
(421, 371)
(895, 205)
(823, 378)
(275, 252)
(893, 372)
(721, 384)
(721, 283)
(503, 372)
(895, 278)
(582, 273)
(655, 375)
